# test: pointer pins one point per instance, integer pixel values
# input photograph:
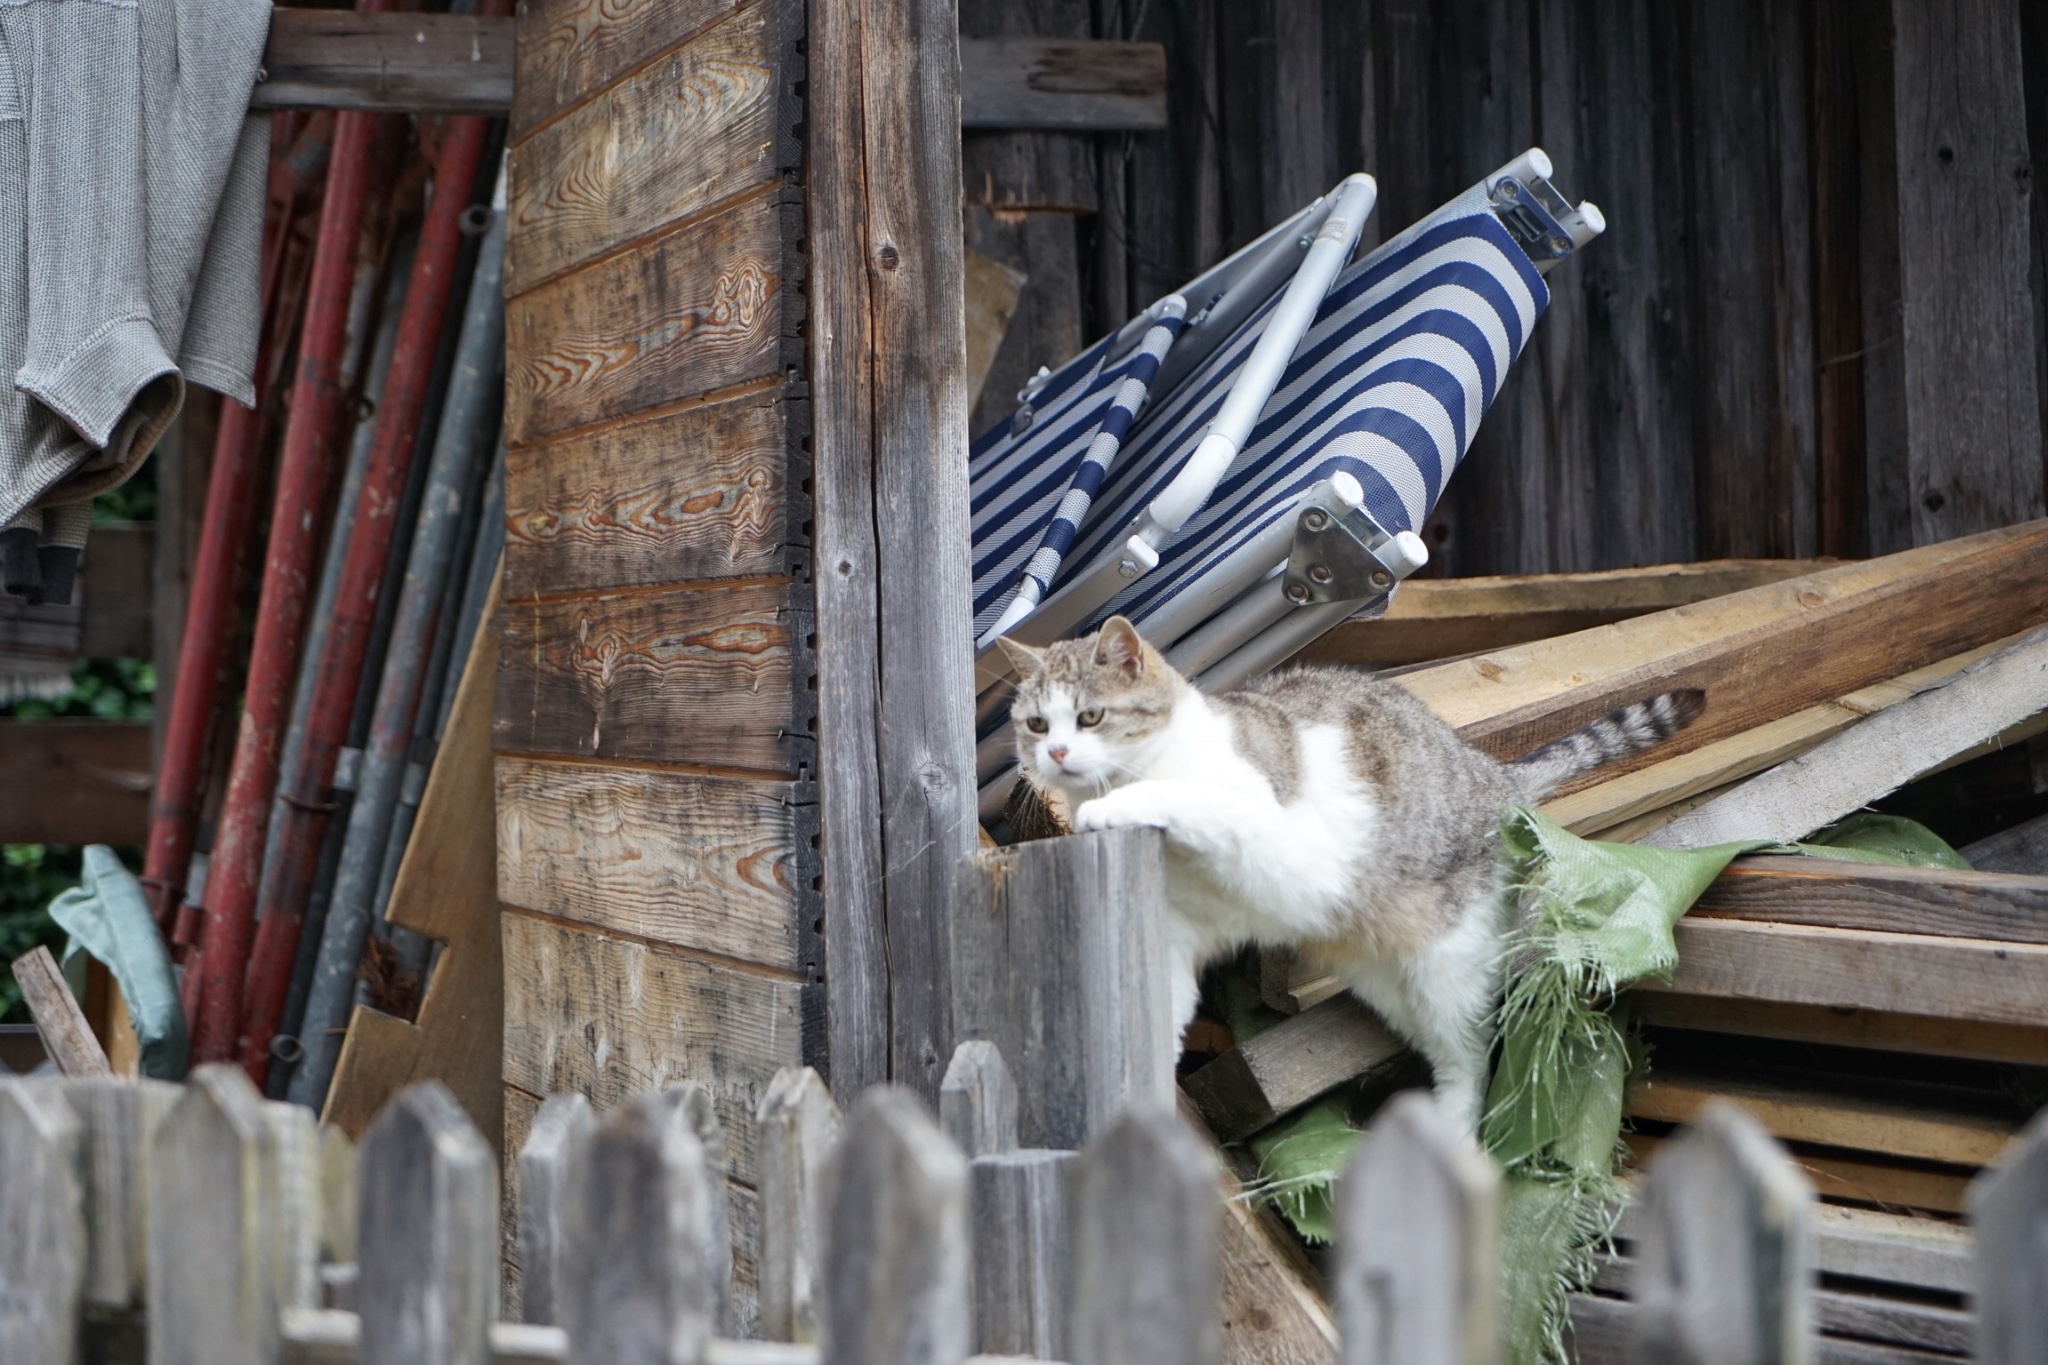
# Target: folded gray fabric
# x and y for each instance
(131, 207)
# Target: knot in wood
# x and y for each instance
(888, 256)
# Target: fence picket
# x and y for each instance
(212, 1276)
(1089, 1025)
(978, 1100)
(634, 1286)
(2009, 1208)
(693, 1101)
(556, 1141)
(291, 1189)
(119, 1118)
(1418, 1244)
(1021, 1203)
(797, 1130)
(427, 1230)
(42, 1225)
(896, 1252)
(1145, 1264)
(1724, 1249)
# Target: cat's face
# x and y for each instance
(1088, 712)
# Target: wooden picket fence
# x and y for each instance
(203, 1225)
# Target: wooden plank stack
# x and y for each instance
(183, 1225)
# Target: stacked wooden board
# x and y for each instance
(1889, 1024)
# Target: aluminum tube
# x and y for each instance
(303, 478)
(468, 423)
(1245, 619)
(268, 971)
(1280, 642)
(1223, 297)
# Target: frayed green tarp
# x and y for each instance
(108, 916)
(1597, 917)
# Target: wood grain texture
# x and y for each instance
(1967, 334)
(709, 120)
(1047, 84)
(1289, 1064)
(704, 492)
(1842, 1026)
(553, 1143)
(1021, 1207)
(67, 1037)
(1881, 1181)
(2022, 848)
(693, 675)
(1954, 978)
(120, 1119)
(978, 1100)
(610, 1018)
(1758, 654)
(1794, 1115)
(414, 63)
(2010, 1207)
(43, 1252)
(568, 50)
(799, 1130)
(1900, 900)
(710, 863)
(707, 306)
(90, 777)
(446, 889)
(889, 381)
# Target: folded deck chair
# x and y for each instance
(1245, 464)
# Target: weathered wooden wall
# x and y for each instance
(1812, 327)
(655, 768)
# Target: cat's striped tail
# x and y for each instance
(1630, 730)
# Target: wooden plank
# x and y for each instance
(1878, 756)
(1021, 1206)
(410, 63)
(2009, 1207)
(991, 301)
(1758, 654)
(637, 1282)
(43, 1249)
(1060, 84)
(428, 1233)
(702, 492)
(1954, 978)
(710, 863)
(1866, 1316)
(119, 1119)
(896, 1283)
(1870, 1244)
(1900, 900)
(1617, 801)
(1841, 1026)
(611, 1017)
(1090, 1021)
(569, 50)
(683, 675)
(2022, 848)
(1724, 1247)
(799, 1129)
(1291, 1063)
(978, 1101)
(1145, 1268)
(1601, 1330)
(1801, 1115)
(1864, 1180)
(1418, 1266)
(888, 371)
(1437, 618)
(1971, 415)
(67, 1037)
(702, 308)
(90, 777)
(711, 119)
(556, 1141)
(446, 889)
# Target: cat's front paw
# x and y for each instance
(1128, 808)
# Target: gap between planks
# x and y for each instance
(763, 970)
(694, 219)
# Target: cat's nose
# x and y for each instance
(1057, 753)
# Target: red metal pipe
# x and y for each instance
(220, 573)
(307, 792)
(303, 478)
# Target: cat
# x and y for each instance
(1322, 809)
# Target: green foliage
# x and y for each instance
(30, 876)
(111, 689)
(134, 500)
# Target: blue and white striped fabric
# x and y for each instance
(1405, 356)
(1095, 462)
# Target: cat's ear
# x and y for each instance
(1023, 657)
(1118, 646)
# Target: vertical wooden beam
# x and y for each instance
(2009, 1209)
(888, 352)
(1949, 292)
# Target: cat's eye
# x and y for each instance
(1093, 716)
(1035, 724)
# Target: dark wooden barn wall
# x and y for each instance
(1812, 328)
(656, 788)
